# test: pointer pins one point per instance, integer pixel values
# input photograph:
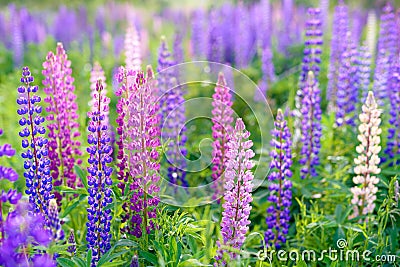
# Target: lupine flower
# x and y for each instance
(338, 44)
(11, 196)
(143, 141)
(364, 70)
(227, 30)
(366, 169)
(311, 127)
(285, 36)
(268, 71)
(311, 60)
(281, 195)
(173, 117)
(22, 230)
(132, 49)
(215, 45)
(199, 39)
(17, 38)
(135, 261)
(347, 84)
(71, 241)
(36, 160)
(99, 178)
(178, 49)
(54, 222)
(7, 172)
(243, 43)
(388, 51)
(237, 197)
(222, 127)
(393, 143)
(123, 94)
(62, 117)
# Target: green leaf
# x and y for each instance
(89, 258)
(79, 262)
(109, 257)
(149, 257)
(82, 176)
(64, 262)
(301, 264)
(72, 206)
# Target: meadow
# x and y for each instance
(235, 133)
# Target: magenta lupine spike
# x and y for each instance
(62, 117)
(237, 198)
(132, 49)
(339, 31)
(311, 127)
(278, 214)
(222, 127)
(99, 178)
(36, 157)
(96, 74)
(143, 135)
(123, 94)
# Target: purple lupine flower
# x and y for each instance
(222, 127)
(215, 44)
(11, 196)
(54, 222)
(268, 72)
(381, 75)
(393, 144)
(347, 91)
(173, 117)
(265, 31)
(132, 49)
(338, 45)
(237, 198)
(62, 117)
(313, 44)
(36, 158)
(7, 172)
(366, 169)
(17, 42)
(99, 178)
(72, 243)
(143, 142)
(22, 229)
(64, 34)
(285, 36)
(311, 62)
(311, 127)
(364, 70)
(178, 53)
(135, 261)
(199, 38)
(243, 42)
(324, 7)
(281, 195)
(227, 30)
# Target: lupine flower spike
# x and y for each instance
(222, 127)
(36, 160)
(393, 143)
(99, 178)
(311, 127)
(366, 169)
(142, 150)
(62, 117)
(281, 195)
(237, 197)
(132, 49)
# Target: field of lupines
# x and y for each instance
(256, 133)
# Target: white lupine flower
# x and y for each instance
(367, 162)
